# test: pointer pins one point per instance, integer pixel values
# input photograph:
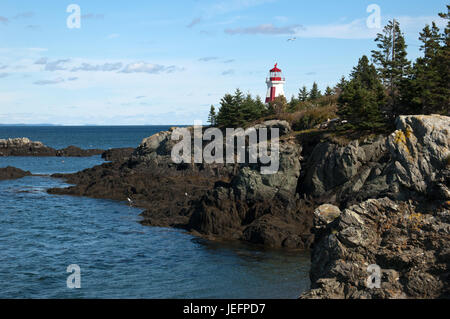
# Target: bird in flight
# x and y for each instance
(292, 39)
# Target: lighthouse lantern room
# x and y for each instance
(275, 84)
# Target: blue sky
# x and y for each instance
(166, 62)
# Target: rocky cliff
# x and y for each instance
(379, 200)
(394, 212)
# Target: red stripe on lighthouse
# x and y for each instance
(272, 93)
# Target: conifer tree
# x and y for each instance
(212, 116)
(303, 94)
(391, 61)
(328, 91)
(315, 93)
(362, 98)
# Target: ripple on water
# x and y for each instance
(41, 234)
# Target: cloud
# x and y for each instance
(228, 72)
(106, 67)
(42, 61)
(2, 67)
(4, 20)
(49, 82)
(268, 29)
(194, 22)
(142, 67)
(24, 15)
(72, 78)
(52, 65)
(4, 75)
(56, 65)
(208, 58)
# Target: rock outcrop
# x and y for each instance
(26, 147)
(9, 172)
(405, 164)
(406, 234)
(411, 248)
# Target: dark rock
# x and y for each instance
(117, 154)
(26, 147)
(12, 173)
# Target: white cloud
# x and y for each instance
(106, 67)
(142, 67)
(49, 82)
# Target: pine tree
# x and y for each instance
(303, 94)
(392, 65)
(362, 98)
(421, 92)
(315, 93)
(328, 91)
(428, 88)
(227, 112)
(340, 86)
(212, 116)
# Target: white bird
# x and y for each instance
(129, 201)
(292, 39)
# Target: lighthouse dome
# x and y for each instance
(276, 74)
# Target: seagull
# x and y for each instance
(130, 201)
(292, 39)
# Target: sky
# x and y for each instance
(166, 62)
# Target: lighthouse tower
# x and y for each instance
(275, 84)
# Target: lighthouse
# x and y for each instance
(275, 84)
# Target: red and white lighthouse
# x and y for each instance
(275, 84)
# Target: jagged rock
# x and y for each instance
(419, 150)
(409, 162)
(411, 249)
(283, 126)
(330, 165)
(325, 214)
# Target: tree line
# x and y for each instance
(376, 91)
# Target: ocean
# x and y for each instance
(42, 234)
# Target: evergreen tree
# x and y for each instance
(293, 104)
(392, 65)
(303, 94)
(212, 116)
(428, 88)
(340, 86)
(362, 98)
(227, 116)
(328, 91)
(315, 93)
(421, 92)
